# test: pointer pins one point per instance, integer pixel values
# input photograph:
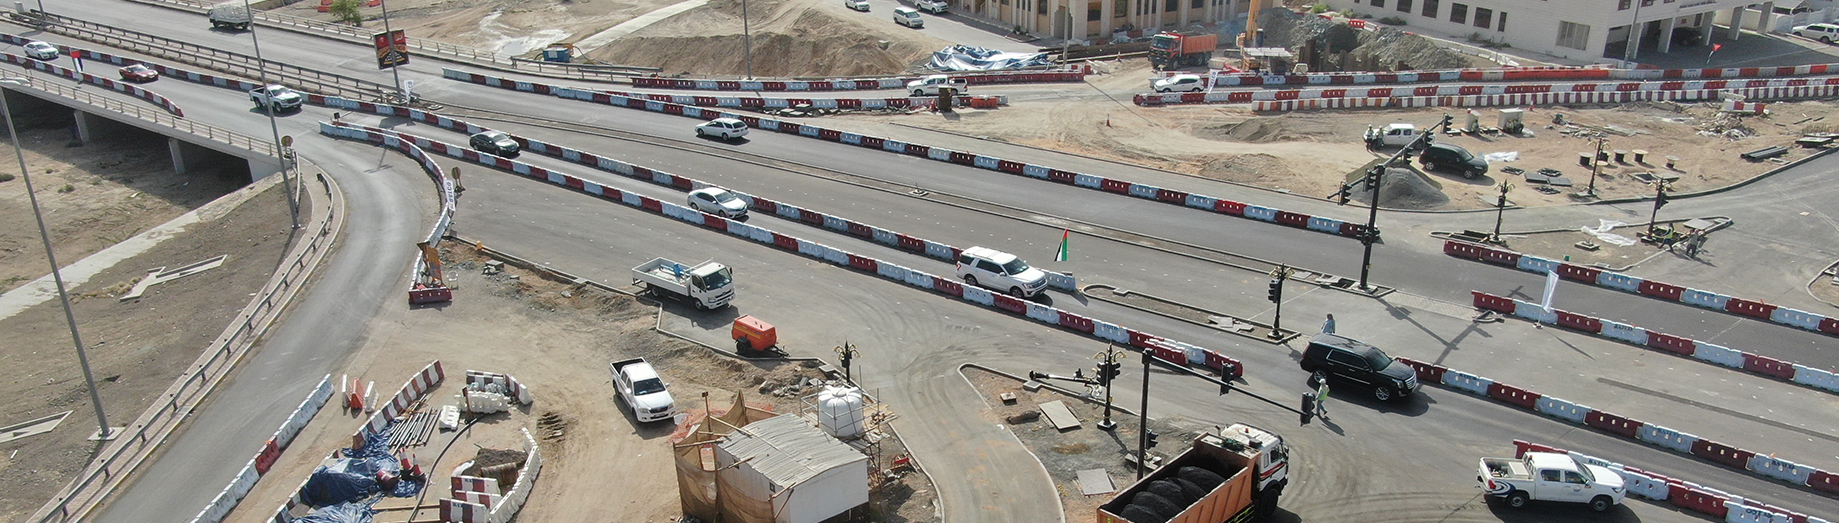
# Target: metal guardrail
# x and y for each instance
(261, 146)
(431, 47)
(216, 59)
(159, 420)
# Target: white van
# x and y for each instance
(909, 17)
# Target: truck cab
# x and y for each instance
(1550, 476)
(642, 390)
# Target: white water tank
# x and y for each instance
(839, 411)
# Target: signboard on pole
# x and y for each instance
(392, 48)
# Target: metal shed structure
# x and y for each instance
(789, 465)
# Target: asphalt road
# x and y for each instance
(914, 340)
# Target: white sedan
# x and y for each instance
(41, 51)
(1180, 82)
(724, 128)
(719, 202)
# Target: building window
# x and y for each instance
(1430, 8)
(1198, 4)
(1171, 6)
(1502, 27)
(1647, 3)
(1459, 13)
(1623, 5)
(1119, 9)
(1484, 17)
(1404, 6)
(1040, 7)
(1573, 35)
(1379, 3)
(1095, 10)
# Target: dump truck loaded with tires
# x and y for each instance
(1235, 475)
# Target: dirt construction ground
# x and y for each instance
(597, 460)
(94, 196)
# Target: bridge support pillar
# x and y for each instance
(180, 163)
(84, 135)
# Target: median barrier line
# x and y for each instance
(1629, 428)
(664, 179)
(1323, 224)
(947, 286)
(1753, 309)
(1759, 365)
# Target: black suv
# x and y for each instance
(1453, 158)
(495, 143)
(1358, 362)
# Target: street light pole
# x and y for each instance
(293, 196)
(1110, 359)
(1143, 418)
(747, 39)
(390, 38)
(1500, 211)
(57, 276)
(1596, 166)
(1371, 180)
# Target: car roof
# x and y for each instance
(990, 254)
(1340, 342)
(905, 10)
(726, 120)
(1185, 77)
(1549, 460)
(1447, 147)
(712, 190)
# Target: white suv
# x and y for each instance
(1000, 271)
(1823, 32)
(937, 7)
(1180, 82)
(724, 128)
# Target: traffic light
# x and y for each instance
(1660, 199)
(1276, 291)
(1342, 196)
(1225, 379)
(1107, 371)
(1149, 439)
(1037, 376)
(1115, 369)
(1446, 121)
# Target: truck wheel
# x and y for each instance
(1601, 503)
(1517, 500)
(1382, 393)
(741, 346)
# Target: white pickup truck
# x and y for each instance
(929, 86)
(708, 285)
(642, 390)
(1549, 476)
(1392, 135)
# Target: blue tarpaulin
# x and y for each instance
(344, 490)
(968, 58)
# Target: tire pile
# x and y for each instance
(1163, 499)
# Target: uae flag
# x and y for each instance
(1066, 252)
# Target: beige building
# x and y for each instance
(1096, 20)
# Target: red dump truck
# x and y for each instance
(1170, 49)
(1235, 475)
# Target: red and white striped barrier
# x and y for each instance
(1191, 355)
(231, 495)
(1733, 106)
(1681, 493)
(511, 386)
(758, 102)
(1517, 74)
(1760, 464)
(870, 84)
(1718, 354)
(125, 87)
(1217, 205)
(418, 386)
(1754, 309)
(1555, 93)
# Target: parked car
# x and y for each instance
(1454, 158)
(139, 73)
(1349, 360)
(1822, 32)
(495, 143)
(937, 7)
(718, 201)
(859, 5)
(41, 51)
(909, 17)
(930, 85)
(1180, 82)
(1000, 271)
(724, 128)
(642, 390)
(276, 98)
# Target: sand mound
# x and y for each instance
(1256, 169)
(1347, 49)
(1406, 189)
(794, 43)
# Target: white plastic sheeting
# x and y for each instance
(970, 58)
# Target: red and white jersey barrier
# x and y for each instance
(512, 388)
(476, 500)
(1782, 370)
(864, 84)
(1755, 309)
(110, 83)
(1505, 94)
(1150, 192)
(230, 496)
(418, 386)
(1175, 351)
(1759, 464)
(1681, 493)
(1514, 74)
